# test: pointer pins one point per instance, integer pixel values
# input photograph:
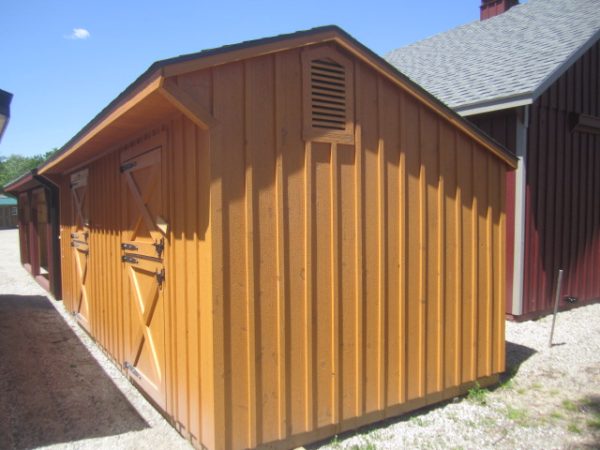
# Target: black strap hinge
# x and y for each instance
(132, 369)
(129, 259)
(159, 246)
(127, 166)
(160, 277)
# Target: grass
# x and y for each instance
(478, 395)
(507, 384)
(507, 381)
(418, 421)
(517, 415)
(594, 422)
(489, 422)
(335, 442)
(365, 444)
(569, 405)
(574, 428)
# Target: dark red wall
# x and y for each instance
(502, 126)
(563, 190)
(562, 224)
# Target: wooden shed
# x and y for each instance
(8, 212)
(284, 239)
(38, 222)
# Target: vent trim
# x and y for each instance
(328, 96)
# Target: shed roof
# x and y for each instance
(502, 62)
(152, 96)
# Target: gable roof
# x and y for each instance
(153, 95)
(502, 62)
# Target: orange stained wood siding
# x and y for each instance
(186, 191)
(356, 278)
(311, 287)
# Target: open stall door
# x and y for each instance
(142, 252)
(80, 234)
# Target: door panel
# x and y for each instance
(80, 233)
(142, 250)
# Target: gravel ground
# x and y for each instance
(549, 398)
(58, 390)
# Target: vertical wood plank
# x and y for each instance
(282, 256)
(497, 183)
(469, 263)
(261, 148)
(323, 290)
(371, 300)
(229, 109)
(289, 116)
(403, 253)
(335, 249)
(253, 335)
(414, 243)
(192, 199)
(308, 290)
(382, 245)
(482, 317)
(452, 257)
(389, 123)
(431, 228)
(348, 270)
(358, 194)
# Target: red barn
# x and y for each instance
(528, 75)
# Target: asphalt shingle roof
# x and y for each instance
(512, 56)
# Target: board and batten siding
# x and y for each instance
(358, 281)
(563, 190)
(311, 286)
(187, 302)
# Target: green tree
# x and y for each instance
(13, 166)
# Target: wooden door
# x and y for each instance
(80, 234)
(142, 254)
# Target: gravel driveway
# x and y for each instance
(57, 389)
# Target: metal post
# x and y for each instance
(558, 288)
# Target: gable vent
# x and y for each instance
(328, 94)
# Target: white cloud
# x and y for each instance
(79, 33)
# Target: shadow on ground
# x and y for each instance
(51, 388)
(516, 355)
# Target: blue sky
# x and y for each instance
(65, 60)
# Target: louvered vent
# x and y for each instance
(328, 94)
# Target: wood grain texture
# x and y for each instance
(311, 286)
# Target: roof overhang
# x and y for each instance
(5, 99)
(24, 183)
(154, 97)
(143, 106)
(494, 105)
